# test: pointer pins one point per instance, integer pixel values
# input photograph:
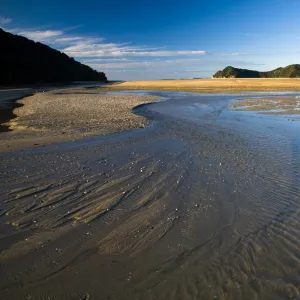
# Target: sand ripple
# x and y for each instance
(187, 210)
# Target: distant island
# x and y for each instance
(24, 61)
(292, 71)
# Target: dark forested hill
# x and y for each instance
(23, 61)
(231, 72)
(292, 71)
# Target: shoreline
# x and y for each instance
(222, 85)
(65, 115)
(9, 95)
(32, 127)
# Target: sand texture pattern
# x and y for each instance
(53, 117)
(203, 204)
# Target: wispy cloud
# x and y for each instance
(68, 39)
(133, 61)
(132, 64)
(95, 47)
(106, 59)
(4, 20)
(91, 46)
(235, 54)
(41, 36)
(118, 51)
(70, 28)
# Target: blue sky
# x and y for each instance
(142, 39)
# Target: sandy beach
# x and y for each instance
(73, 114)
(150, 150)
(214, 85)
(68, 115)
(203, 204)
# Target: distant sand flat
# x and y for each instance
(216, 85)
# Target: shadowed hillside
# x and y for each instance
(292, 71)
(24, 61)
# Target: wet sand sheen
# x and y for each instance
(284, 105)
(200, 205)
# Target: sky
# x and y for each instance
(161, 39)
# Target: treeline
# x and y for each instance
(23, 61)
(292, 71)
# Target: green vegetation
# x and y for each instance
(24, 61)
(292, 71)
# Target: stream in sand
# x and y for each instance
(202, 204)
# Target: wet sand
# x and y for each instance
(67, 115)
(213, 85)
(9, 96)
(203, 204)
(284, 105)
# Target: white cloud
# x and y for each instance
(89, 48)
(192, 67)
(234, 54)
(68, 39)
(86, 46)
(237, 54)
(133, 64)
(70, 28)
(5, 20)
(111, 57)
(103, 60)
(41, 36)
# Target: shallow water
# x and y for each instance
(203, 204)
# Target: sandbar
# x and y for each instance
(214, 85)
(67, 115)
